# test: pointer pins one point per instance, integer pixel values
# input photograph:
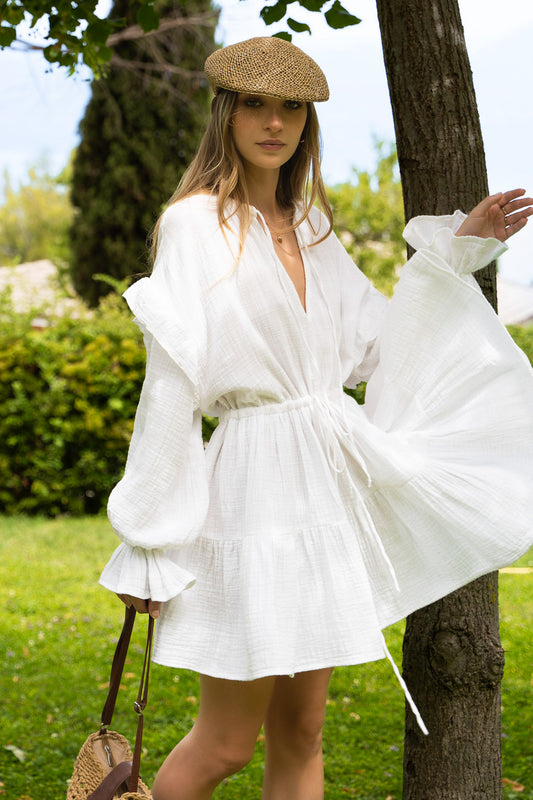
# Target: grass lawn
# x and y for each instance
(56, 641)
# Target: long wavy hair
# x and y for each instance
(218, 169)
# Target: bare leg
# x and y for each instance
(221, 741)
(294, 767)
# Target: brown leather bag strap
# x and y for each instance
(140, 705)
(112, 782)
(117, 666)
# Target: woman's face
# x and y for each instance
(267, 130)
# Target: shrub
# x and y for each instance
(523, 336)
(68, 395)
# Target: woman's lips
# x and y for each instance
(271, 144)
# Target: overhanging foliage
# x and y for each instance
(70, 33)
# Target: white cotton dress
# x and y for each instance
(310, 523)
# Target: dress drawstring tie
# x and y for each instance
(325, 422)
(330, 425)
(406, 691)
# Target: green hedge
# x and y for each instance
(68, 396)
(523, 336)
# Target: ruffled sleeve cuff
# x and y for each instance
(435, 237)
(145, 573)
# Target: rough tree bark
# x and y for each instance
(453, 660)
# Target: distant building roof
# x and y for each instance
(36, 285)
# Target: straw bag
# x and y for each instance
(105, 768)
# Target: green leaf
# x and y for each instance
(148, 18)
(282, 35)
(299, 27)
(97, 32)
(338, 17)
(13, 14)
(52, 53)
(270, 14)
(86, 11)
(312, 5)
(7, 35)
(35, 18)
(104, 54)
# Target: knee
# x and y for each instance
(300, 734)
(199, 768)
(307, 734)
(201, 763)
(230, 758)
(223, 753)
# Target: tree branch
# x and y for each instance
(162, 66)
(133, 32)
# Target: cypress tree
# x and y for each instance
(140, 130)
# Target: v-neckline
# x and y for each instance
(303, 306)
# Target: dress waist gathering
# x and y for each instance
(334, 419)
(330, 399)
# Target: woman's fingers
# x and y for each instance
(513, 218)
(508, 201)
(517, 205)
(516, 210)
(152, 607)
(125, 599)
(512, 194)
(514, 227)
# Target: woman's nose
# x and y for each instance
(273, 120)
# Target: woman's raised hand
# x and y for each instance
(498, 216)
(152, 607)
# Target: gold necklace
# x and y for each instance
(274, 232)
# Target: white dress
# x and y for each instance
(310, 523)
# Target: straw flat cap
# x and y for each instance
(267, 65)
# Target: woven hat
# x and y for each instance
(267, 65)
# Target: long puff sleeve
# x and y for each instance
(161, 502)
(364, 307)
(451, 399)
(440, 336)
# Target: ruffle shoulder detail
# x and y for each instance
(156, 313)
(168, 304)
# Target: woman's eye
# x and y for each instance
(252, 103)
(293, 104)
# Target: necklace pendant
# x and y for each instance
(279, 238)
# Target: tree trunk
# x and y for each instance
(453, 660)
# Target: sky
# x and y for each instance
(40, 109)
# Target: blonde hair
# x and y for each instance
(218, 169)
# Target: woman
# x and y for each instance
(310, 523)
